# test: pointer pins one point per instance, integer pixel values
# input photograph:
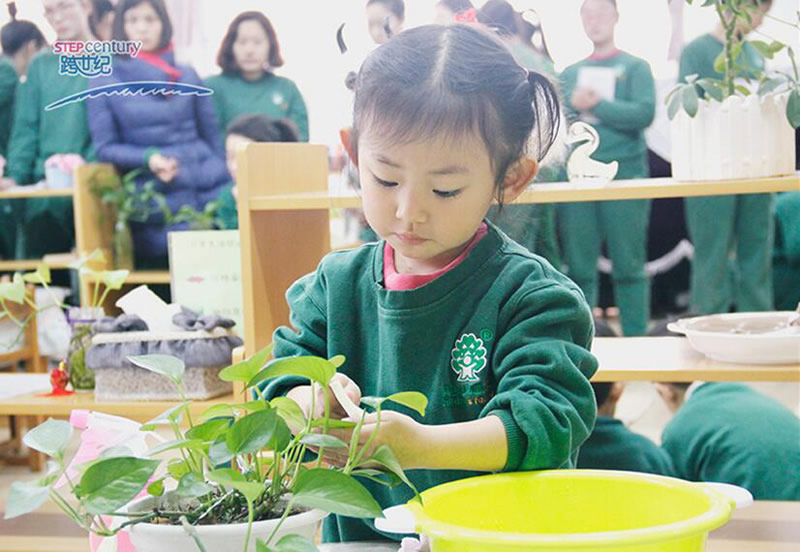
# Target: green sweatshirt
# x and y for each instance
(622, 121)
(527, 326)
(227, 213)
(8, 86)
(697, 58)
(729, 433)
(274, 96)
(612, 446)
(786, 253)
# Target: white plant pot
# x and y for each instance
(148, 537)
(739, 138)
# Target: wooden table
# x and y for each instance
(763, 527)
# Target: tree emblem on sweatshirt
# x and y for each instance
(468, 357)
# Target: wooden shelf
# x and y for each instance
(59, 261)
(142, 277)
(671, 359)
(556, 192)
(20, 192)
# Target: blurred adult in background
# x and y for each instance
(445, 11)
(385, 19)
(36, 134)
(532, 226)
(615, 92)
(102, 19)
(248, 57)
(21, 41)
(722, 225)
(174, 138)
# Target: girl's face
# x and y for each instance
(233, 143)
(69, 18)
(599, 19)
(251, 48)
(142, 23)
(376, 16)
(426, 198)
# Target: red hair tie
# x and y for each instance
(467, 16)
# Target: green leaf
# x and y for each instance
(793, 109)
(14, 290)
(192, 485)
(114, 279)
(767, 50)
(736, 50)
(173, 414)
(262, 429)
(412, 399)
(386, 458)
(261, 547)
(691, 78)
(41, 276)
(295, 543)
(219, 453)
(190, 444)
(314, 368)
(25, 497)
(289, 411)
(156, 488)
(335, 492)
(210, 430)
(232, 479)
(719, 62)
(320, 440)
(217, 410)
(712, 88)
(337, 361)
(743, 90)
(674, 105)
(50, 438)
(374, 402)
(166, 365)
(178, 468)
(249, 367)
(690, 100)
(112, 483)
(387, 479)
(769, 85)
(333, 424)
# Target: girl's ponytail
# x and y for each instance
(12, 10)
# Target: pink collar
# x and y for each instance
(395, 281)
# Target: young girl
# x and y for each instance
(446, 304)
(249, 54)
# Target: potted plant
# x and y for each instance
(240, 480)
(130, 204)
(198, 220)
(743, 126)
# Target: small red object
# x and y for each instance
(59, 378)
(467, 16)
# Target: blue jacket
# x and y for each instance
(125, 129)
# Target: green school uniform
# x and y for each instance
(621, 224)
(8, 209)
(227, 214)
(527, 326)
(786, 254)
(274, 96)
(612, 446)
(720, 225)
(730, 433)
(36, 135)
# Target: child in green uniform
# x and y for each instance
(730, 433)
(720, 225)
(612, 446)
(248, 56)
(243, 130)
(615, 92)
(446, 304)
(786, 254)
(37, 134)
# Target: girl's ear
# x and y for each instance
(518, 176)
(346, 135)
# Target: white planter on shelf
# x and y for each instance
(148, 537)
(739, 138)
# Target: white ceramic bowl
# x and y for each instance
(743, 337)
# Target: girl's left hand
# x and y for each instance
(401, 433)
(584, 99)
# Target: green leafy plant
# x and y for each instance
(130, 203)
(198, 220)
(241, 462)
(104, 281)
(732, 14)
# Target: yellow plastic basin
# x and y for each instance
(570, 510)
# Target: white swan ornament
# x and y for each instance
(580, 166)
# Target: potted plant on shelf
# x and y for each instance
(239, 481)
(743, 125)
(198, 220)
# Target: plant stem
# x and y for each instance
(249, 525)
(96, 291)
(730, 27)
(371, 438)
(280, 522)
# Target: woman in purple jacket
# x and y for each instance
(174, 138)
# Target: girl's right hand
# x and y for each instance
(302, 396)
(165, 168)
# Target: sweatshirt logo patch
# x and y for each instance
(468, 358)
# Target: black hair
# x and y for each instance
(603, 329)
(100, 8)
(17, 33)
(500, 16)
(456, 80)
(456, 6)
(397, 7)
(225, 58)
(601, 391)
(260, 128)
(118, 28)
